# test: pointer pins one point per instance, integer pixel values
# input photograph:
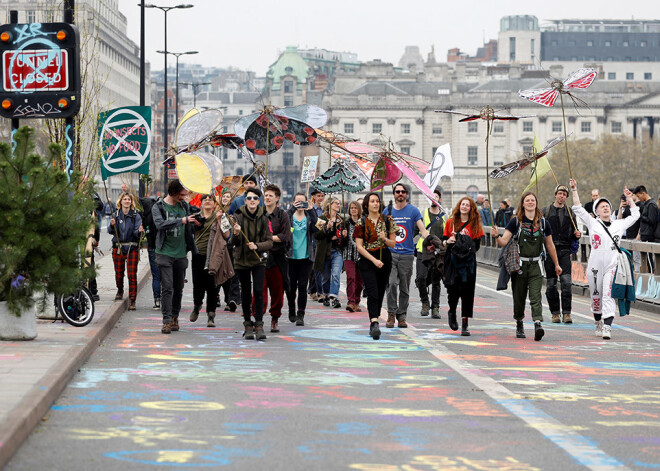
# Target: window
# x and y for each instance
(239, 154)
(433, 151)
(348, 128)
(512, 49)
(585, 126)
(532, 50)
(169, 102)
(30, 16)
(473, 154)
(405, 128)
(648, 76)
(225, 154)
(527, 149)
(472, 191)
(630, 76)
(405, 149)
(377, 128)
(498, 128)
(625, 44)
(590, 43)
(615, 127)
(528, 126)
(288, 158)
(556, 126)
(240, 112)
(437, 129)
(473, 126)
(288, 86)
(288, 101)
(642, 44)
(239, 171)
(611, 76)
(608, 43)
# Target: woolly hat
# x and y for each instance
(601, 200)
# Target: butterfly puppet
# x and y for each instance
(578, 80)
(528, 158)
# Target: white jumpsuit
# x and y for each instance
(603, 258)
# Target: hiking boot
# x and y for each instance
(402, 322)
(350, 308)
(166, 329)
(195, 312)
(453, 323)
(390, 320)
(175, 324)
(232, 306)
(607, 332)
(357, 308)
(599, 328)
(273, 326)
(249, 330)
(374, 331)
(259, 330)
(300, 318)
(211, 321)
(292, 314)
(567, 318)
(464, 327)
(131, 305)
(520, 330)
(156, 304)
(435, 313)
(425, 309)
(556, 318)
(538, 331)
(335, 303)
(119, 295)
(313, 296)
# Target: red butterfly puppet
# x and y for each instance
(580, 79)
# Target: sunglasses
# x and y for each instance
(400, 192)
(251, 198)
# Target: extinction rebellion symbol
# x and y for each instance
(125, 140)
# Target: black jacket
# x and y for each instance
(562, 235)
(503, 216)
(649, 220)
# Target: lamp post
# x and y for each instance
(195, 86)
(177, 55)
(165, 10)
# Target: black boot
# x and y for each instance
(292, 313)
(464, 328)
(453, 323)
(249, 330)
(538, 331)
(300, 318)
(520, 330)
(259, 330)
(374, 330)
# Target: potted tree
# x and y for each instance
(45, 216)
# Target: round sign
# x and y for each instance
(125, 140)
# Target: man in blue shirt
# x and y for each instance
(406, 217)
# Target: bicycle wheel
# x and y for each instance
(78, 308)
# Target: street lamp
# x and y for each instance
(195, 86)
(177, 55)
(165, 10)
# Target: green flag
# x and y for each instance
(540, 167)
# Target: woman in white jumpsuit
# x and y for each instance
(603, 256)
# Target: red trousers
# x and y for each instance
(273, 283)
(353, 282)
(129, 260)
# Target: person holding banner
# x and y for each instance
(125, 225)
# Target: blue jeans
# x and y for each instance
(155, 274)
(332, 273)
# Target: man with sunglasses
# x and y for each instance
(407, 217)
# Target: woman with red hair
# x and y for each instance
(462, 237)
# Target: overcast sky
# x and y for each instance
(250, 34)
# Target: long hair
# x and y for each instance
(474, 218)
(365, 202)
(520, 212)
(121, 197)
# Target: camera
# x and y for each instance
(301, 204)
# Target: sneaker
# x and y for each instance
(232, 306)
(131, 305)
(195, 312)
(538, 331)
(374, 331)
(390, 320)
(119, 295)
(326, 301)
(556, 318)
(425, 309)
(259, 331)
(249, 330)
(335, 303)
(175, 324)
(211, 319)
(607, 332)
(435, 313)
(599, 328)
(166, 329)
(273, 326)
(520, 330)
(402, 322)
(567, 318)
(156, 304)
(300, 318)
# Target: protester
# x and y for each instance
(125, 225)
(604, 237)
(407, 217)
(648, 217)
(300, 255)
(147, 204)
(533, 233)
(434, 221)
(174, 222)
(316, 277)
(232, 287)
(484, 212)
(504, 214)
(330, 240)
(464, 226)
(276, 280)
(595, 194)
(564, 235)
(354, 283)
(249, 181)
(218, 263)
(203, 281)
(251, 239)
(373, 236)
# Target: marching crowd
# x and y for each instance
(255, 251)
